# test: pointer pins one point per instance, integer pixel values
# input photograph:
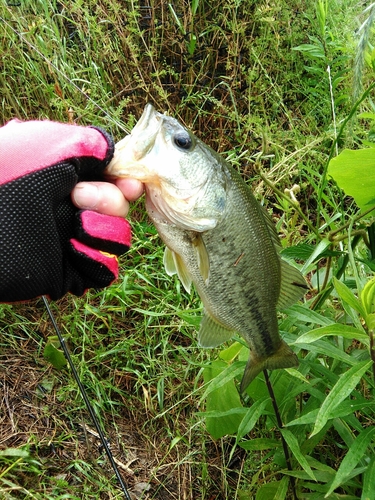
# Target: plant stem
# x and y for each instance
(293, 204)
(325, 292)
(280, 426)
(372, 351)
(332, 234)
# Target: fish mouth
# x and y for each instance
(149, 115)
(133, 147)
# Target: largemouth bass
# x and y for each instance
(217, 236)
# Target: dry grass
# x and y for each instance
(159, 454)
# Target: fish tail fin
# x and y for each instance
(284, 357)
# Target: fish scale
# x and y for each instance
(217, 236)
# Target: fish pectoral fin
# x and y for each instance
(293, 285)
(284, 357)
(169, 263)
(211, 333)
(174, 264)
(202, 256)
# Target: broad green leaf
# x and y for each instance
(343, 387)
(367, 114)
(346, 331)
(231, 352)
(313, 462)
(351, 459)
(251, 417)
(239, 410)
(368, 296)
(309, 418)
(311, 49)
(282, 489)
(224, 401)
(368, 490)
(292, 442)
(348, 296)
(191, 319)
(322, 476)
(302, 251)
(53, 354)
(222, 376)
(259, 444)
(370, 321)
(354, 172)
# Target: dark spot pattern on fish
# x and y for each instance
(262, 328)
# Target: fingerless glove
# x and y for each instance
(47, 245)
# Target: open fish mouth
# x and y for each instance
(149, 114)
(130, 150)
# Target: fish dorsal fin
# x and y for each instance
(293, 285)
(211, 333)
(272, 229)
(202, 256)
(174, 264)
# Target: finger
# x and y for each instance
(131, 188)
(102, 197)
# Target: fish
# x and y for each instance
(218, 237)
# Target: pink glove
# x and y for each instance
(47, 245)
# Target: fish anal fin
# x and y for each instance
(174, 264)
(284, 357)
(293, 285)
(212, 333)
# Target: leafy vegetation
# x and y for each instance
(280, 89)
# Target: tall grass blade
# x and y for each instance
(298, 455)
(345, 331)
(347, 296)
(368, 491)
(339, 392)
(354, 455)
(251, 417)
(225, 376)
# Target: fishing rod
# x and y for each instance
(98, 428)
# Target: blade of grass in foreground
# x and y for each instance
(354, 455)
(298, 455)
(368, 492)
(339, 392)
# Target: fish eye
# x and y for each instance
(183, 141)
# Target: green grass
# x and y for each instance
(250, 78)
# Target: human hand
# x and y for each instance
(107, 198)
(47, 246)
